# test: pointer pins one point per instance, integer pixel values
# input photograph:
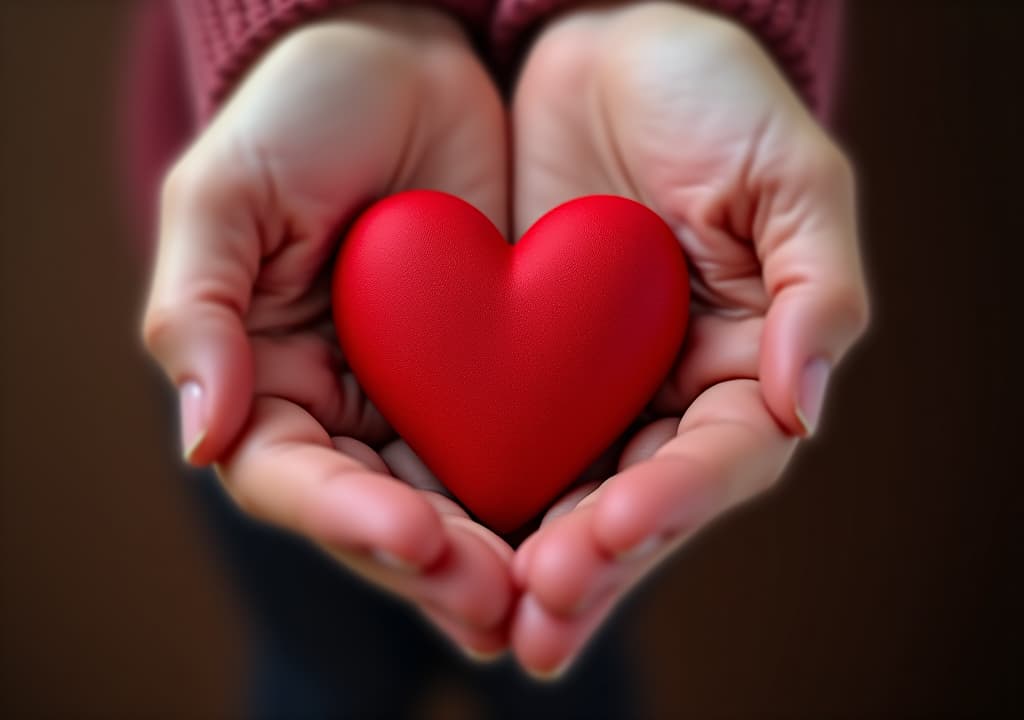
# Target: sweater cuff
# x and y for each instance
(801, 35)
(222, 38)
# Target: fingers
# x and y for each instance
(470, 602)
(582, 493)
(727, 448)
(548, 642)
(648, 441)
(717, 348)
(468, 584)
(406, 464)
(466, 594)
(308, 370)
(207, 260)
(564, 562)
(479, 645)
(547, 645)
(812, 271)
(568, 502)
(286, 471)
(360, 452)
(567, 565)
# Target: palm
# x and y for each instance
(686, 115)
(313, 179)
(250, 217)
(683, 141)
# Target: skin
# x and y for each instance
(240, 303)
(685, 113)
(657, 102)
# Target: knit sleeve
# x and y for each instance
(802, 36)
(221, 38)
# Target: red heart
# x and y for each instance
(509, 368)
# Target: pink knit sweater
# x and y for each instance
(188, 54)
(221, 37)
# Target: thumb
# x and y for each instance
(206, 263)
(818, 300)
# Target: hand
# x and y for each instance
(685, 113)
(372, 101)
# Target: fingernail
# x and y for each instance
(811, 398)
(643, 549)
(193, 417)
(392, 561)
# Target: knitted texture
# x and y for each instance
(223, 37)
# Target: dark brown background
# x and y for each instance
(878, 579)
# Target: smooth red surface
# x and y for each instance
(509, 368)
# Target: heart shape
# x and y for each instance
(509, 368)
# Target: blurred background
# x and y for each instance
(880, 578)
